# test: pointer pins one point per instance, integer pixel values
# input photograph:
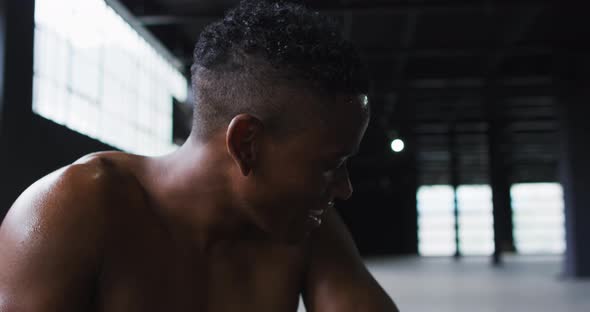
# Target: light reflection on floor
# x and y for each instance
(523, 283)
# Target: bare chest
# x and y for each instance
(151, 277)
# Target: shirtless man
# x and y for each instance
(231, 220)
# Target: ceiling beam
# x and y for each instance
(166, 20)
(523, 25)
(358, 8)
(365, 8)
(377, 52)
(477, 82)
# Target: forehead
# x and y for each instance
(343, 122)
(345, 111)
(325, 123)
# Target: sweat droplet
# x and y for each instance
(364, 100)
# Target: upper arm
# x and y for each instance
(337, 279)
(50, 243)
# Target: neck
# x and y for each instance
(190, 191)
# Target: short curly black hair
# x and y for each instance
(241, 60)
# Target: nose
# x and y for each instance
(342, 185)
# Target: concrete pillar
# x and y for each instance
(500, 173)
(573, 101)
(17, 19)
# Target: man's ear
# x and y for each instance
(243, 134)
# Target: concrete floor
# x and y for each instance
(471, 284)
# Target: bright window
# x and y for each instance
(436, 234)
(436, 223)
(476, 220)
(538, 218)
(97, 75)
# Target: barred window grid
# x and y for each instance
(538, 219)
(96, 75)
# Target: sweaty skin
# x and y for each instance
(120, 232)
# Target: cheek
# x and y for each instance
(293, 181)
(290, 194)
(305, 182)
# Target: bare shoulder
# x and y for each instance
(337, 279)
(84, 184)
(73, 199)
(53, 237)
(72, 195)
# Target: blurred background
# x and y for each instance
(471, 183)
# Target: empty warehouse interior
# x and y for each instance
(470, 183)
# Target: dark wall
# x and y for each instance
(51, 146)
(17, 43)
(2, 48)
(381, 213)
